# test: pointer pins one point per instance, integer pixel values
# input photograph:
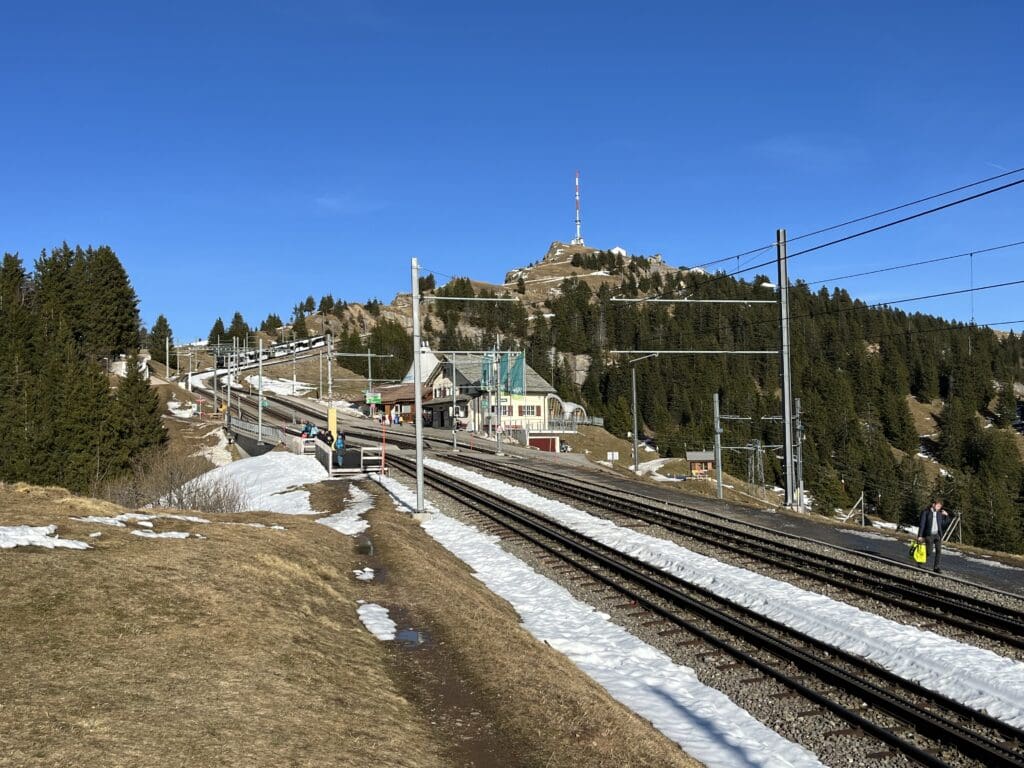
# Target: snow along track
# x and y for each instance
(687, 607)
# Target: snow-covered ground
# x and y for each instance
(279, 386)
(350, 520)
(703, 721)
(181, 410)
(976, 677)
(272, 482)
(36, 536)
(218, 454)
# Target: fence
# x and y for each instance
(252, 429)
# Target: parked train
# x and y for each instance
(246, 357)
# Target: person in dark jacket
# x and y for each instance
(933, 523)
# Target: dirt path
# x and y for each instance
(495, 694)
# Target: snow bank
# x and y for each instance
(973, 676)
(271, 481)
(364, 574)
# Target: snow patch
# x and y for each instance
(376, 619)
(278, 386)
(364, 574)
(350, 520)
(161, 535)
(36, 536)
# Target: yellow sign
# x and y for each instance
(332, 421)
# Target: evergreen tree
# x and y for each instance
(238, 329)
(1006, 405)
(271, 324)
(309, 305)
(109, 306)
(160, 338)
(326, 304)
(299, 330)
(217, 333)
(136, 421)
(520, 285)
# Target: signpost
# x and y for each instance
(373, 398)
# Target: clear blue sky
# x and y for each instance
(239, 156)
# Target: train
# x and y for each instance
(247, 357)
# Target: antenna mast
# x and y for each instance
(578, 240)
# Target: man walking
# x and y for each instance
(933, 523)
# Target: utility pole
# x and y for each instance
(497, 411)
(636, 440)
(216, 354)
(295, 353)
(799, 456)
(784, 350)
(455, 406)
(718, 448)
(417, 377)
(330, 370)
(167, 358)
(259, 409)
(228, 361)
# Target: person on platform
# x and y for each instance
(339, 448)
(933, 522)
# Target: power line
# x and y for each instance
(869, 231)
(916, 263)
(868, 216)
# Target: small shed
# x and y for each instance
(702, 463)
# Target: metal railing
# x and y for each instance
(251, 429)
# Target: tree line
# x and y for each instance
(853, 368)
(61, 328)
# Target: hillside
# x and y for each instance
(860, 372)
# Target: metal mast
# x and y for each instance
(578, 240)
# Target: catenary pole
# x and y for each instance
(799, 455)
(259, 409)
(455, 405)
(636, 440)
(417, 378)
(718, 449)
(784, 353)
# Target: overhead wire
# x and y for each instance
(862, 233)
(915, 264)
(859, 219)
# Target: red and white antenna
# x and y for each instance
(578, 240)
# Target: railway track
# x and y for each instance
(871, 701)
(932, 601)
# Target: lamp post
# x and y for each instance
(636, 443)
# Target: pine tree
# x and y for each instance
(160, 338)
(238, 328)
(217, 333)
(1006, 405)
(271, 324)
(299, 328)
(109, 306)
(136, 422)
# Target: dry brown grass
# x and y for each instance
(241, 649)
(244, 649)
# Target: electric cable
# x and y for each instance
(866, 217)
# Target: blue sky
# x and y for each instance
(239, 156)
